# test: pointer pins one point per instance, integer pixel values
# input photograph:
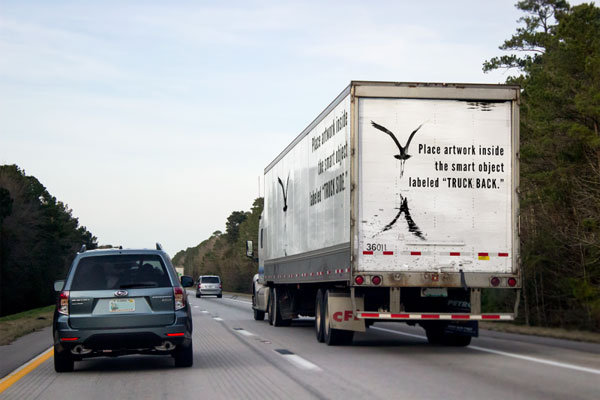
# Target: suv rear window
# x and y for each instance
(120, 272)
(210, 279)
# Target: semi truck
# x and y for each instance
(399, 202)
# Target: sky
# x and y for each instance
(154, 120)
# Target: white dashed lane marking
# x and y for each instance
(297, 360)
(243, 332)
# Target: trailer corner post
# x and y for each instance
(395, 305)
(517, 301)
(476, 301)
(353, 299)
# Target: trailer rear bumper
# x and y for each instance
(434, 316)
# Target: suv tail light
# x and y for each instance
(63, 302)
(179, 298)
(220, 286)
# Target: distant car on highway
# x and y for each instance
(115, 302)
(209, 285)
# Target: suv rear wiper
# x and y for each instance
(138, 285)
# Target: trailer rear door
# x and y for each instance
(436, 185)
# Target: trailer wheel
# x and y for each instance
(277, 320)
(334, 337)
(319, 316)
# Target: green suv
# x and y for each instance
(115, 302)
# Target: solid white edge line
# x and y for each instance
(300, 362)
(503, 353)
(538, 360)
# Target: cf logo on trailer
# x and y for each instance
(341, 316)
(121, 293)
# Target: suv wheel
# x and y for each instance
(63, 362)
(184, 356)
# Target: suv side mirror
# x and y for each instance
(187, 281)
(249, 249)
(59, 285)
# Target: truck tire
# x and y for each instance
(258, 315)
(334, 337)
(457, 340)
(277, 319)
(63, 362)
(270, 307)
(437, 336)
(184, 356)
(319, 311)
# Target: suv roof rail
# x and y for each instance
(158, 246)
(83, 248)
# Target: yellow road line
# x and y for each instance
(19, 373)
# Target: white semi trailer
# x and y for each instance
(399, 202)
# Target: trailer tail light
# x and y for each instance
(359, 280)
(63, 302)
(512, 282)
(495, 281)
(376, 280)
(179, 298)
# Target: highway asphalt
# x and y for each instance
(236, 357)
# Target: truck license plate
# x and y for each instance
(122, 305)
(434, 292)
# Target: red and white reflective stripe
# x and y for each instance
(309, 274)
(445, 316)
(429, 253)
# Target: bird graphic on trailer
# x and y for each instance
(284, 191)
(402, 156)
(403, 150)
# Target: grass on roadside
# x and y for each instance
(16, 325)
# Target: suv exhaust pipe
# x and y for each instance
(80, 350)
(165, 346)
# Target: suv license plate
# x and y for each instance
(122, 305)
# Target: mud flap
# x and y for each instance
(469, 328)
(340, 312)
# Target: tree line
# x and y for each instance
(556, 56)
(39, 238)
